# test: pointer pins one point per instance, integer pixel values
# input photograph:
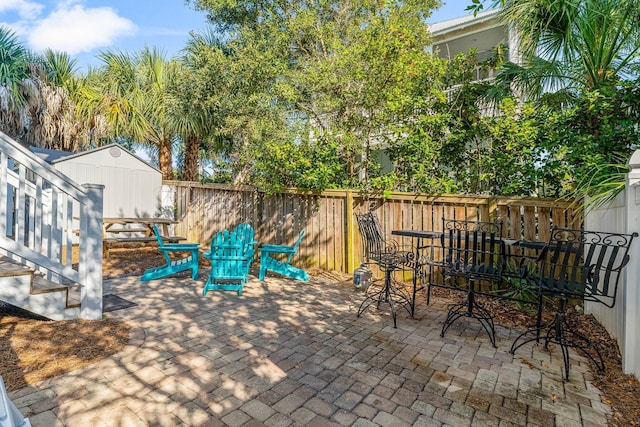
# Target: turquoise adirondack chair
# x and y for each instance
(267, 262)
(189, 262)
(231, 254)
(246, 234)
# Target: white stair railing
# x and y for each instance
(44, 212)
(10, 416)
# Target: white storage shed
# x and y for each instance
(132, 187)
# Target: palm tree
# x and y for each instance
(154, 75)
(192, 113)
(130, 91)
(40, 95)
(572, 45)
(191, 121)
(582, 54)
(53, 122)
(115, 84)
(18, 86)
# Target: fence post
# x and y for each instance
(90, 267)
(493, 209)
(350, 233)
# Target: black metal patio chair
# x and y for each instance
(575, 265)
(389, 257)
(473, 256)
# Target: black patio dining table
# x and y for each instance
(465, 264)
(425, 241)
(420, 236)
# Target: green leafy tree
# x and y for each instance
(585, 53)
(328, 70)
(448, 144)
(228, 89)
(301, 164)
(509, 166)
(579, 64)
(587, 144)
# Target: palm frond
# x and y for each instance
(601, 184)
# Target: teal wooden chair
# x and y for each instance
(268, 262)
(189, 262)
(231, 255)
(246, 234)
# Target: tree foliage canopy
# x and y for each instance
(347, 93)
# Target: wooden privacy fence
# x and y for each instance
(331, 239)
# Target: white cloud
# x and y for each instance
(72, 28)
(20, 28)
(24, 8)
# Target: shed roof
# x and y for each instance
(108, 147)
(47, 155)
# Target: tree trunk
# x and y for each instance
(241, 168)
(191, 157)
(164, 159)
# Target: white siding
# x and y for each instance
(132, 187)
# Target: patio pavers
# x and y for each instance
(288, 353)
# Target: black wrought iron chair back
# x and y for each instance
(389, 257)
(472, 249)
(373, 243)
(472, 257)
(586, 264)
(576, 264)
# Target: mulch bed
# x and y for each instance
(33, 349)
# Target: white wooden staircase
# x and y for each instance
(28, 289)
(44, 215)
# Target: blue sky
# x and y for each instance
(84, 27)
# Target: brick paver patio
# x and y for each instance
(290, 353)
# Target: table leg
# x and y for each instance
(416, 267)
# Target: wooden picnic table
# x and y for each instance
(135, 230)
(135, 225)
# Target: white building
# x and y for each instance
(483, 32)
(133, 187)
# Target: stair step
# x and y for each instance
(39, 284)
(9, 267)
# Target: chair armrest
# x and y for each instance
(522, 266)
(278, 248)
(228, 258)
(178, 247)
